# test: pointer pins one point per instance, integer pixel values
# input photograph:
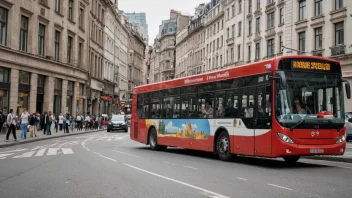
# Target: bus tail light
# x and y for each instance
(285, 138)
(341, 139)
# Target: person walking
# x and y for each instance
(32, 125)
(61, 121)
(11, 125)
(67, 123)
(24, 123)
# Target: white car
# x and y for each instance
(348, 118)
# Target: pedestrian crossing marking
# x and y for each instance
(67, 151)
(52, 151)
(25, 155)
(40, 152)
(5, 155)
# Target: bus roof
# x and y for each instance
(255, 68)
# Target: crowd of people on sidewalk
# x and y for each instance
(35, 122)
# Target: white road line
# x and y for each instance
(170, 163)
(52, 151)
(105, 157)
(67, 151)
(84, 146)
(190, 167)
(28, 154)
(11, 151)
(217, 195)
(280, 187)
(3, 156)
(240, 178)
(126, 153)
(40, 152)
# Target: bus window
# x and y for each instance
(176, 107)
(167, 106)
(155, 108)
(193, 111)
(146, 109)
(220, 104)
(184, 106)
(247, 108)
(140, 105)
(207, 98)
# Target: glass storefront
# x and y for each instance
(23, 101)
(70, 91)
(4, 89)
(40, 93)
(23, 92)
(57, 96)
(4, 101)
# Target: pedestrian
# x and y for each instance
(11, 125)
(79, 121)
(44, 122)
(67, 123)
(24, 123)
(61, 121)
(32, 125)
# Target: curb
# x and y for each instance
(46, 138)
(334, 159)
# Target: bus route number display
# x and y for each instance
(316, 66)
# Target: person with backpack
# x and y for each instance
(32, 125)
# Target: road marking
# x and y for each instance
(84, 146)
(40, 152)
(280, 187)
(214, 194)
(240, 178)
(67, 151)
(170, 163)
(28, 154)
(191, 167)
(17, 150)
(52, 151)
(3, 156)
(126, 153)
(105, 157)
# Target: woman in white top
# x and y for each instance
(61, 121)
(24, 123)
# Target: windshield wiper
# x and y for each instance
(332, 123)
(299, 123)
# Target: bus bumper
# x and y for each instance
(310, 150)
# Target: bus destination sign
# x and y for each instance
(311, 65)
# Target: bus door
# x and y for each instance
(262, 120)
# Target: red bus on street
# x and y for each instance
(289, 106)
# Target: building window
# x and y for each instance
(24, 78)
(318, 7)
(57, 5)
(3, 26)
(228, 13)
(250, 27)
(318, 38)
(271, 20)
(281, 44)
(239, 6)
(57, 45)
(24, 33)
(257, 25)
(222, 41)
(80, 18)
(257, 51)
(70, 9)
(240, 28)
(232, 54)
(220, 60)
(282, 18)
(338, 4)
(80, 48)
(302, 42)
(339, 34)
(233, 10)
(270, 48)
(233, 31)
(249, 53)
(249, 6)
(302, 10)
(69, 50)
(238, 52)
(258, 4)
(41, 39)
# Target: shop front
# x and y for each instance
(69, 97)
(106, 102)
(81, 99)
(4, 89)
(23, 92)
(57, 96)
(96, 89)
(40, 93)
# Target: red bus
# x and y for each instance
(289, 106)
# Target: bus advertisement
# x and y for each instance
(288, 107)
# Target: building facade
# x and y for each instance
(140, 20)
(44, 53)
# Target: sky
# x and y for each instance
(158, 10)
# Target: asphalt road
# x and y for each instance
(111, 165)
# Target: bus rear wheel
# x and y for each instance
(153, 141)
(291, 159)
(223, 147)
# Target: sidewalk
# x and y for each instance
(347, 157)
(40, 136)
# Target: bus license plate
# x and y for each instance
(316, 150)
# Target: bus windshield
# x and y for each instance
(307, 94)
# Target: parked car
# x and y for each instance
(117, 122)
(348, 118)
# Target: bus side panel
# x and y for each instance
(243, 139)
(139, 130)
(188, 143)
(263, 142)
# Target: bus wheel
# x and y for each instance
(291, 159)
(223, 147)
(153, 141)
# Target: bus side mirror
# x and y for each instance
(348, 89)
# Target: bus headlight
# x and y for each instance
(285, 138)
(341, 139)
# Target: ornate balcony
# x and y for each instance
(338, 50)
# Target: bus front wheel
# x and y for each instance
(223, 147)
(291, 159)
(153, 141)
